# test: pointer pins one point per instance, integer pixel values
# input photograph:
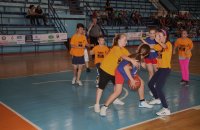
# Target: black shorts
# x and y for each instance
(78, 60)
(104, 78)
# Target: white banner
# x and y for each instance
(52, 37)
(32, 38)
(136, 35)
(12, 39)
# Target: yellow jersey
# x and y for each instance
(112, 59)
(164, 55)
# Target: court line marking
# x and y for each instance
(54, 81)
(122, 98)
(22, 117)
(159, 117)
(126, 94)
(36, 74)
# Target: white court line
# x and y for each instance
(93, 106)
(54, 81)
(126, 94)
(165, 118)
(62, 71)
(25, 119)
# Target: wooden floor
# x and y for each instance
(185, 120)
(10, 120)
(50, 62)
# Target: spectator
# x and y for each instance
(94, 31)
(31, 14)
(108, 7)
(39, 14)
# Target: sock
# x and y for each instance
(142, 100)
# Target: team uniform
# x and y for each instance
(158, 80)
(120, 74)
(152, 57)
(78, 53)
(109, 65)
(184, 58)
(100, 51)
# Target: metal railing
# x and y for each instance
(55, 18)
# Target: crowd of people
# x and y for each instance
(118, 17)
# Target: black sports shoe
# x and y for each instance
(187, 83)
(182, 82)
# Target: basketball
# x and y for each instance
(137, 83)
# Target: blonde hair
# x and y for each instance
(117, 38)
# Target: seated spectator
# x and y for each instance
(108, 7)
(39, 14)
(31, 14)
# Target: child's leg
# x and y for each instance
(153, 82)
(75, 70)
(186, 68)
(143, 103)
(150, 70)
(104, 78)
(160, 84)
(114, 95)
(79, 72)
(181, 62)
(141, 90)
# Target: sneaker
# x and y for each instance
(182, 82)
(145, 104)
(103, 111)
(97, 108)
(118, 102)
(187, 83)
(79, 83)
(155, 101)
(88, 70)
(74, 80)
(163, 112)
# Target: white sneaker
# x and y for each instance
(79, 83)
(155, 101)
(74, 80)
(118, 102)
(163, 112)
(103, 111)
(145, 104)
(97, 108)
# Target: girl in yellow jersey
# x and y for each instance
(109, 65)
(184, 45)
(157, 82)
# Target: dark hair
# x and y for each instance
(152, 28)
(79, 25)
(144, 51)
(164, 32)
(31, 6)
(116, 39)
(101, 36)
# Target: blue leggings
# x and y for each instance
(157, 82)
